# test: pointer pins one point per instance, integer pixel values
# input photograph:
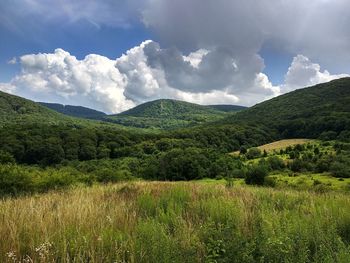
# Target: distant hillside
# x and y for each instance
(14, 108)
(167, 114)
(308, 112)
(227, 108)
(167, 108)
(75, 111)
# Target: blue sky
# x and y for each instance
(83, 38)
(230, 51)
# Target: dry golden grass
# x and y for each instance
(278, 145)
(282, 144)
(177, 222)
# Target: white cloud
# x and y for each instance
(148, 72)
(303, 73)
(195, 58)
(204, 76)
(60, 77)
(12, 61)
(7, 87)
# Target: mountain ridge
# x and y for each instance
(75, 111)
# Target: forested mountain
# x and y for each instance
(36, 135)
(14, 108)
(168, 114)
(75, 111)
(227, 108)
(309, 112)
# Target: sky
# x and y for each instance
(112, 55)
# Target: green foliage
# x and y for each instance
(75, 111)
(6, 158)
(253, 153)
(256, 174)
(322, 110)
(169, 114)
(340, 169)
(275, 163)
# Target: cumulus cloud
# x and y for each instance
(303, 72)
(61, 77)
(143, 73)
(148, 72)
(7, 87)
(203, 76)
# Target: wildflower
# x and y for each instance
(12, 256)
(44, 249)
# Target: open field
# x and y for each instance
(278, 145)
(176, 222)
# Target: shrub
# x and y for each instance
(256, 175)
(243, 150)
(275, 163)
(253, 153)
(339, 169)
(6, 158)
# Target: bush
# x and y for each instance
(6, 158)
(275, 163)
(256, 175)
(340, 170)
(253, 153)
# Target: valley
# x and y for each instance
(180, 182)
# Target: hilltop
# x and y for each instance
(168, 114)
(75, 111)
(323, 109)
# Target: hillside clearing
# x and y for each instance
(281, 144)
(278, 145)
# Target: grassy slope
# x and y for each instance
(176, 222)
(282, 144)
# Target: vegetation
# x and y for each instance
(272, 200)
(320, 111)
(176, 222)
(75, 111)
(170, 114)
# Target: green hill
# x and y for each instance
(75, 111)
(309, 112)
(17, 109)
(169, 114)
(228, 108)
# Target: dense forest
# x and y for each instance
(75, 111)
(31, 134)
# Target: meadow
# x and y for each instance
(203, 221)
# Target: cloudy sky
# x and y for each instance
(114, 54)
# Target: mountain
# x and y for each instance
(309, 112)
(227, 108)
(167, 114)
(17, 109)
(75, 111)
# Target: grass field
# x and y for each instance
(176, 222)
(282, 144)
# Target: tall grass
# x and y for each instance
(175, 222)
